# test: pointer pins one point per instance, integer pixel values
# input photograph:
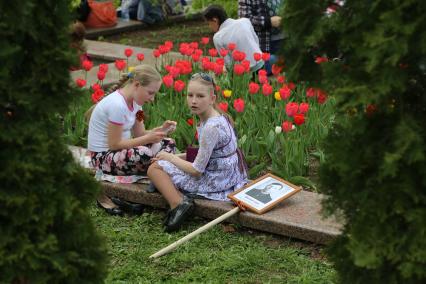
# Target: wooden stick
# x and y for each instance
(207, 226)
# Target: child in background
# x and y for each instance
(219, 167)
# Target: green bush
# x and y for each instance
(46, 233)
(375, 155)
(231, 7)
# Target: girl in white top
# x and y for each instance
(117, 139)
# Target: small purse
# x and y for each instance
(192, 150)
(191, 153)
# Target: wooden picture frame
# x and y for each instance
(264, 193)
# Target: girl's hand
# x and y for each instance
(163, 155)
(154, 136)
(169, 126)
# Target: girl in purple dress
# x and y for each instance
(219, 167)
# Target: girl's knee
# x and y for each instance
(152, 168)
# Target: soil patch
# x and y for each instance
(152, 36)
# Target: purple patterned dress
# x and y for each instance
(217, 160)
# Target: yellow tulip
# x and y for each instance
(277, 96)
(227, 93)
(131, 68)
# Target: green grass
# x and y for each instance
(215, 256)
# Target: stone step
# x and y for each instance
(132, 25)
(109, 52)
(298, 216)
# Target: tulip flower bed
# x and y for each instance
(279, 123)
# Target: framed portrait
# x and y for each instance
(264, 193)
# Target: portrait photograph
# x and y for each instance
(264, 193)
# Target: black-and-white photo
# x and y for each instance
(264, 192)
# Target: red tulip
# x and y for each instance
(103, 68)
(276, 69)
(239, 69)
(292, 86)
(253, 88)
(285, 92)
(299, 118)
(266, 56)
(96, 87)
(101, 75)
(217, 68)
(217, 88)
(262, 72)
(291, 109)
(174, 71)
(232, 46)
(168, 81)
(287, 126)
(205, 40)
(213, 52)
(311, 92)
(281, 79)
(195, 57)
(140, 56)
(246, 65)
(190, 121)
(223, 106)
(193, 45)
(87, 65)
(321, 59)
(156, 53)
(80, 82)
(179, 85)
(169, 44)
(97, 95)
(257, 56)
(120, 64)
(266, 89)
(128, 52)
(239, 105)
(321, 96)
(223, 52)
(370, 109)
(303, 108)
(263, 79)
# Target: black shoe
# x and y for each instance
(130, 207)
(176, 216)
(151, 188)
(116, 211)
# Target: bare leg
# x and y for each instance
(164, 184)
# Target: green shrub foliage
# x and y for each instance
(375, 166)
(46, 234)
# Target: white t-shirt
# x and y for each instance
(111, 109)
(240, 32)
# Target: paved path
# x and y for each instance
(297, 217)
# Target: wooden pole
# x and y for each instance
(207, 226)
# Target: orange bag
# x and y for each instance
(102, 14)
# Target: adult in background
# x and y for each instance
(263, 14)
(239, 31)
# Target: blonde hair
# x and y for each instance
(211, 86)
(144, 74)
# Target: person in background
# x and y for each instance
(263, 14)
(229, 30)
(219, 167)
(78, 32)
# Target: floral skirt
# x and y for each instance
(134, 161)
